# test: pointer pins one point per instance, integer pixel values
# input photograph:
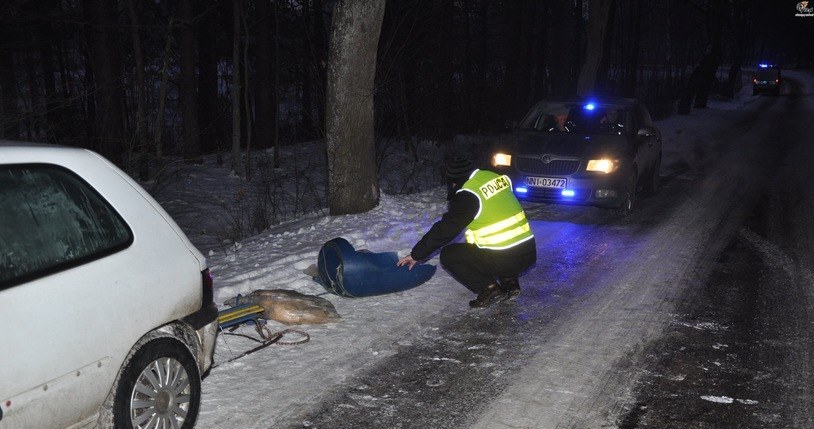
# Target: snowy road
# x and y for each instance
(570, 347)
(585, 344)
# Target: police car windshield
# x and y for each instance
(767, 73)
(572, 118)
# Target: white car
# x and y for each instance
(106, 308)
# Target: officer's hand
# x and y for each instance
(407, 260)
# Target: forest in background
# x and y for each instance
(138, 80)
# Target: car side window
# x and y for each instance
(51, 220)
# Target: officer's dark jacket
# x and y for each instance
(463, 207)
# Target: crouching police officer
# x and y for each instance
(499, 243)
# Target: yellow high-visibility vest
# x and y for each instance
(500, 222)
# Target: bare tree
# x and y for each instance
(237, 11)
(9, 122)
(106, 72)
(209, 121)
(141, 119)
(740, 16)
(266, 122)
(162, 97)
(564, 42)
(598, 13)
(352, 181)
(314, 64)
(188, 93)
(701, 80)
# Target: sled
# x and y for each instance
(232, 317)
(239, 314)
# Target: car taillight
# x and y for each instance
(208, 296)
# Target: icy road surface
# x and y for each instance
(571, 351)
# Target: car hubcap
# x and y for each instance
(160, 398)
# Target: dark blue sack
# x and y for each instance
(347, 272)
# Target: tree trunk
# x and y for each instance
(209, 121)
(9, 120)
(741, 24)
(444, 97)
(602, 81)
(188, 93)
(321, 56)
(141, 120)
(106, 72)
(237, 11)
(53, 122)
(598, 15)
(34, 113)
(540, 77)
(631, 54)
(265, 100)
(162, 96)
(519, 30)
(247, 103)
(275, 87)
(564, 47)
(352, 180)
(703, 77)
(312, 124)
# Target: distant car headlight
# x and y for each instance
(501, 159)
(603, 165)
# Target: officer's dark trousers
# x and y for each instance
(477, 268)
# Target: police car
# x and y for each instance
(767, 79)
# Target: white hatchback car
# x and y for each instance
(106, 307)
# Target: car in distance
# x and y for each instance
(768, 78)
(579, 151)
(107, 308)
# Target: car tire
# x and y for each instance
(655, 179)
(629, 197)
(160, 383)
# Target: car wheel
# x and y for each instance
(655, 178)
(160, 387)
(629, 198)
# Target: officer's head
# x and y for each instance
(458, 171)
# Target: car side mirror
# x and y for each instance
(510, 124)
(646, 131)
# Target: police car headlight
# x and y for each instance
(501, 159)
(603, 165)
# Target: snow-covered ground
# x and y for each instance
(260, 389)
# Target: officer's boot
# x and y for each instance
(510, 285)
(490, 295)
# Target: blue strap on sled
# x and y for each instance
(347, 272)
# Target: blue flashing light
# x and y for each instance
(521, 190)
(589, 106)
(567, 192)
(763, 66)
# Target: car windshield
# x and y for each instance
(770, 73)
(586, 118)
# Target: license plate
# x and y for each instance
(546, 182)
